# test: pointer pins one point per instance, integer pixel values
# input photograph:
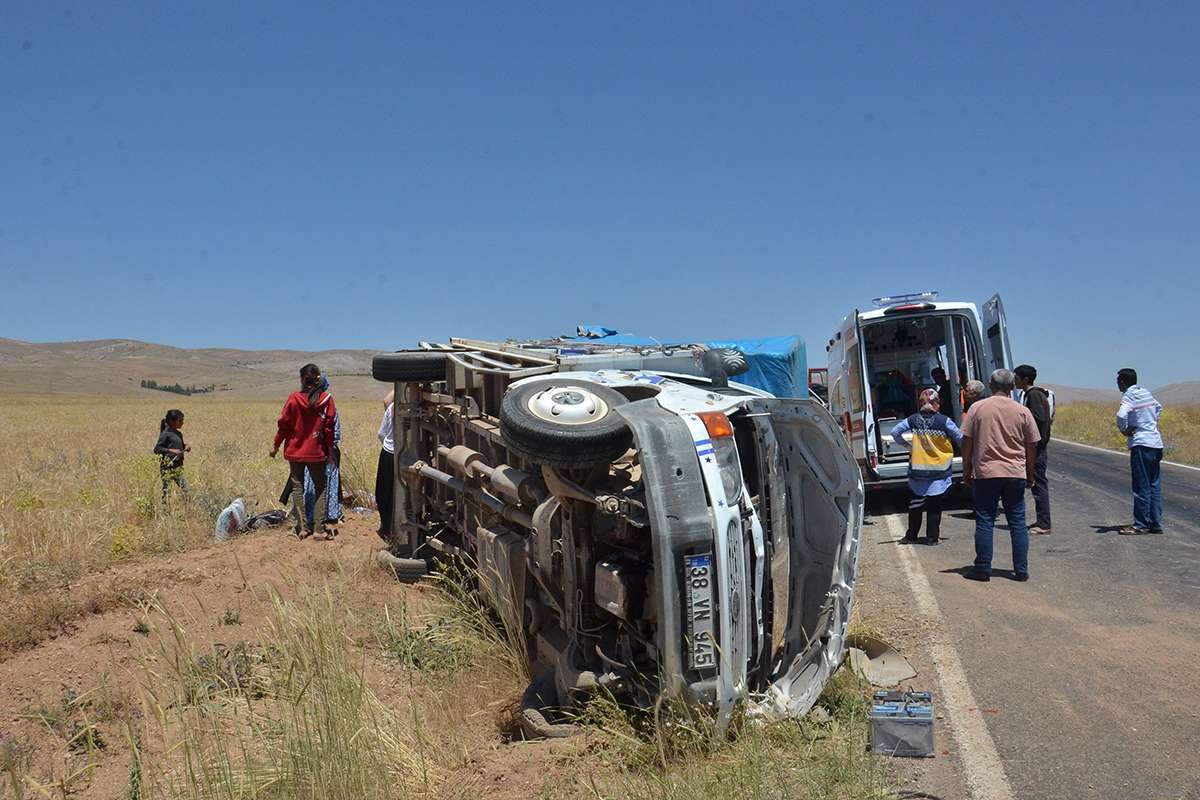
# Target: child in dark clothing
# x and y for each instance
(170, 449)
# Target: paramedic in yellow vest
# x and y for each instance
(934, 436)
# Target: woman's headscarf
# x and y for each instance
(930, 402)
(314, 391)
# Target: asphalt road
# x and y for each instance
(1088, 676)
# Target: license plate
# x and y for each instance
(698, 573)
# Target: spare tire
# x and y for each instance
(409, 366)
(564, 422)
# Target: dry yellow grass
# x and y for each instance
(80, 491)
(420, 691)
(1095, 424)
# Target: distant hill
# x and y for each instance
(1179, 394)
(119, 366)
(1076, 394)
(1176, 394)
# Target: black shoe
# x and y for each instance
(1156, 530)
(931, 541)
(976, 575)
(1021, 576)
(908, 539)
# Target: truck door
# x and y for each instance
(995, 334)
(812, 514)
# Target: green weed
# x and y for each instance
(435, 646)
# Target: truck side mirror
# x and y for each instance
(722, 363)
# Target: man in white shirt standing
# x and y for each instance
(385, 471)
(1137, 418)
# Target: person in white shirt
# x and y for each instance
(1137, 418)
(385, 471)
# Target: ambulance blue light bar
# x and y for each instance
(897, 299)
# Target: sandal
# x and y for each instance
(1129, 530)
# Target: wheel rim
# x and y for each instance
(567, 405)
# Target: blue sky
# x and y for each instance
(279, 175)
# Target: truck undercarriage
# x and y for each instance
(642, 533)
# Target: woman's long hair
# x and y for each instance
(172, 416)
(310, 383)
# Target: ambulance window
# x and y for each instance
(854, 356)
(968, 351)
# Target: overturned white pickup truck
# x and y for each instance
(649, 527)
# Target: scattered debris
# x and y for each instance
(878, 661)
(267, 519)
(230, 520)
(233, 520)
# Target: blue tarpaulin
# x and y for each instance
(778, 364)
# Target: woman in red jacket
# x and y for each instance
(306, 426)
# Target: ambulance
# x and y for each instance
(881, 359)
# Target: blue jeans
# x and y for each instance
(1146, 463)
(1010, 492)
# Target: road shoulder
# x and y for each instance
(887, 605)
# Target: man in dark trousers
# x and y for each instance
(999, 444)
(1137, 418)
(1037, 400)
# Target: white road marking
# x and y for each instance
(981, 762)
(1120, 453)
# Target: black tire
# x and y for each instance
(409, 366)
(556, 444)
(538, 698)
(406, 570)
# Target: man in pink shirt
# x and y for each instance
(1000, 439)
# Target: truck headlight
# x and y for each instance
(724, 451)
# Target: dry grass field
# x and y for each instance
(80, 491)
(142, 660)
(1094, 423)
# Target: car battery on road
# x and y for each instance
(902, 724)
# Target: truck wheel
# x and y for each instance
(406, 570)
(409, 365)
(562, 422)
(538, 697)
